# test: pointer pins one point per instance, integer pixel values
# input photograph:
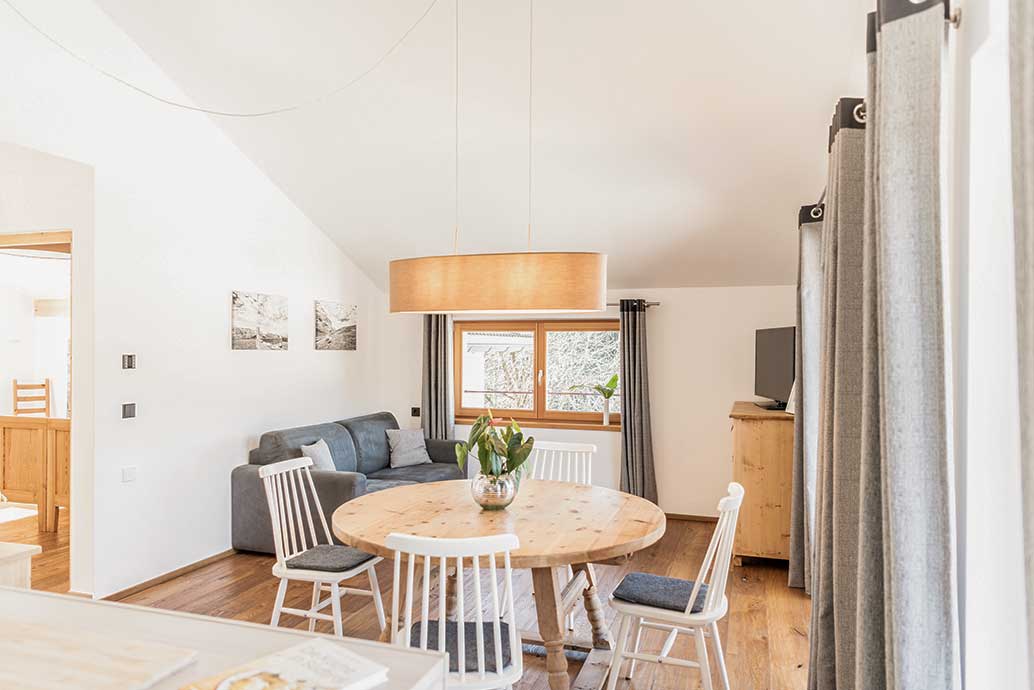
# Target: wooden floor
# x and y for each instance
(765, 634)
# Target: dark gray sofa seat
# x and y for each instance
(359, 448)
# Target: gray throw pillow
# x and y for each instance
(319, 453)
(407, 447)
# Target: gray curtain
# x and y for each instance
(1021, 69)
(435, 411)
(637, 471)
(834, 588)
(919, 575)
(809, 320)
(884, 588)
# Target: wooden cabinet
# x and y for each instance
(762, 461)
(35, 464)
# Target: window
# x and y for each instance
(536, 371)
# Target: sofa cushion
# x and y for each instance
(430, 472)
(382, 484)
(328, 558)
(285, 444)
(407, 447)
(319, 453)
(370, 441)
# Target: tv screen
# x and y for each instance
(774, 362)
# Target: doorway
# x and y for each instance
(35, 405)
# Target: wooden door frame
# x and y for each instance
(48, 241)
(51, 241)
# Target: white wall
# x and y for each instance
(984, 359)
(181, 219)
(701, 359)
(16, 342)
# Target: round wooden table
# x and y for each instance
(559, 524)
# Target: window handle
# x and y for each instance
(540, 377)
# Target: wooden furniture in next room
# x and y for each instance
(35, 464)
(220, 644)
(31, 398)
(557, 524)
(762, 461)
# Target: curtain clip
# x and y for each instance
(955, 17)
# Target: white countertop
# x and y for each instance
(13, 552)
(221, 644)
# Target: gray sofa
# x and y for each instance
(359, 447)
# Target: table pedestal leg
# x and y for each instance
(551, 625)
(593, 608)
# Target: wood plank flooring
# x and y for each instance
(765, 634)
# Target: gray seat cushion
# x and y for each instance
(428, 472)
(329, 559)
(382, 484)
(470, 648)
(659, 592)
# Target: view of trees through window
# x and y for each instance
(497, 367)
(499, 370)
(580, 359)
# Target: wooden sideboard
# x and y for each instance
(762, 461)
(35, 464)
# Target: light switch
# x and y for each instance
(128, 410)
(414, 411)
(129, 474)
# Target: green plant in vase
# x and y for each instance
(501, 451)
(606, 390)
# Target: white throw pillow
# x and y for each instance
(319, 453)
(407, 447)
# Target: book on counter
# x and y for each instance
(312, 665)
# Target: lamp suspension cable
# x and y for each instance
(456, 129)
(531, 73)
(226, 113)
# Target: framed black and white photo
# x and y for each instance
(259, 321)
(335, 325)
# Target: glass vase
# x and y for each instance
(493, 493)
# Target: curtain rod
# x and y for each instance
(618, 304)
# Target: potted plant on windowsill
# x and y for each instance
(501, 451)
(606, 391)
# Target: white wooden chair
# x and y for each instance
(495, 660)
(301, 556)
(565, 462)
(679, 606)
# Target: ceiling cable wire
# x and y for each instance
(531, 65)
(227, 113)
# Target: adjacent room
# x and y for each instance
(562, 345)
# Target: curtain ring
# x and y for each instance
(816, 212)
(859, 113)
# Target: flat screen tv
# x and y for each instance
(774, 363)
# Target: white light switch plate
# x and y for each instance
(129, 474)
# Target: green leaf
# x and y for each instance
(613, 383)
(521, 454)
(462, 450)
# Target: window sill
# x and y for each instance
(551, 424)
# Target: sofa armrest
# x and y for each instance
(251, 527)
(440, 450)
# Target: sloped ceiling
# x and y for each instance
(677, 136)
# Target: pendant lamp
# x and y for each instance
(504, 283)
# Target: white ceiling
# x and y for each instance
(679, 137)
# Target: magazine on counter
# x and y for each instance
(312, 665)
